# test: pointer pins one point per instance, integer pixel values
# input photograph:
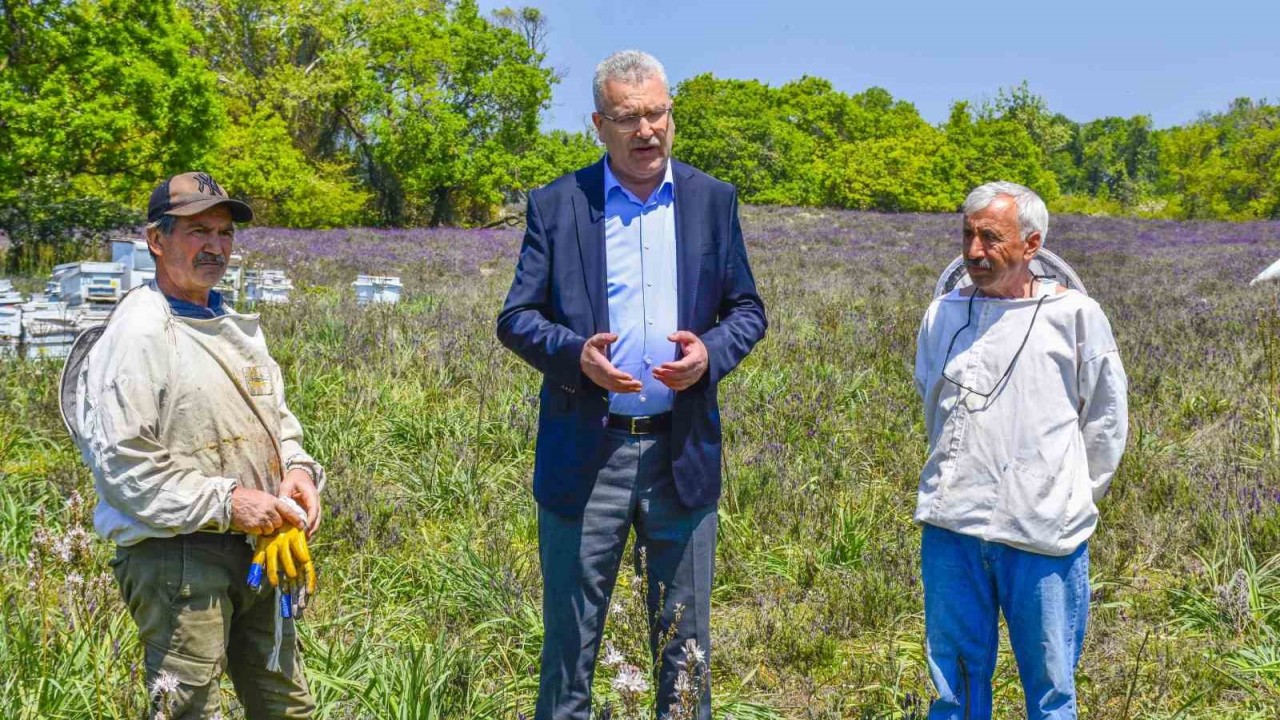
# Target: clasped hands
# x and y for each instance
(284, 551)
(678, 374)
(282, 525)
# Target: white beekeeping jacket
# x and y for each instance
(1027, 466)
(174, 413)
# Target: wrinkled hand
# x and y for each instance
(596, 366)
(689, 369)
(287, 553)
(297, 486)
(256, 512)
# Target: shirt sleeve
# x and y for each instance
(926, 357)
(921, 372)
(136, 474)
(1104, 409)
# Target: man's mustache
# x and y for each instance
(204, 258)
(980, 263)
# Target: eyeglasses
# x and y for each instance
(1005, 376)
(631, 123)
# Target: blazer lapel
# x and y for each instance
(588, 209)
(688, 244)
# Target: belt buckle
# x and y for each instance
(634, 418)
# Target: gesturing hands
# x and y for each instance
(689, 369)
(677, 374)
(596, 366)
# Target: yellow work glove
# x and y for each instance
(286, 552)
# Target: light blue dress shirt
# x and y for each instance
(640, 257)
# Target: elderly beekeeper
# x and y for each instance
(1025, 408)
(201, 477)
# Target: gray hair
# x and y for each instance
(1033, 216)
(631, 67)
(165, 225)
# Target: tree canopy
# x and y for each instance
(805, 143)
(425, 112)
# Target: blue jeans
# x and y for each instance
(1045, 600)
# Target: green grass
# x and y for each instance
(430, 592)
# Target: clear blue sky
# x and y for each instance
(1088, 59)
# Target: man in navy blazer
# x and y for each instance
(634, 298)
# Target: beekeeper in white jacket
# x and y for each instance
(183, 421)
(1026, 411)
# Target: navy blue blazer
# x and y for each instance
(558, 299)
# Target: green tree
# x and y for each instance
(742, 132)
(1050, 132)
(292, 73)
(897, 173)
(553, 154)
(260, 162)
(457, 102)
(1224, 165)
(98, 99)
(426, 106)
(980, 148)
(1114, 158)
(873, 152)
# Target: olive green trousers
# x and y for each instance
(196, 617)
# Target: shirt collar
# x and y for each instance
(182, 308)
(611, 182)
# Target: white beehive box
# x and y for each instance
(92, 282)
(133, 255)
(48, 329)
(232, 280)
(9, 296)
(10, 321)
(46, 310)
(377, 289)
(269, 286)
(91, 316)
(53, 286)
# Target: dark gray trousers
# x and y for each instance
(580, 559)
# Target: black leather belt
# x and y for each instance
(213, 535)
(640, 424)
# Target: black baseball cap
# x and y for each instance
(191, 194)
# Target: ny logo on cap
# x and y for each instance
(208, 184)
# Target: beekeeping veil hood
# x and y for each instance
(70, 372)
(1045, 264)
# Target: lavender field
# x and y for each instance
(429, 606)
